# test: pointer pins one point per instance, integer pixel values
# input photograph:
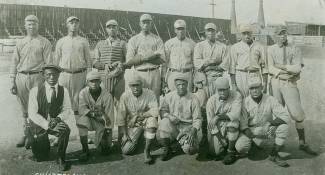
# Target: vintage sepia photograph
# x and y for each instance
(162, 87)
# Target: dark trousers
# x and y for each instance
(40, 143)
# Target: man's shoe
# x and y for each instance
(307, 149)
(166, 154)
(84, 157)
(63, 165)
(278, 161)
(230, 158)
(220, 156)
(21, 142)
(147, 157)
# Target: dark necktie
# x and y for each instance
(52, 106)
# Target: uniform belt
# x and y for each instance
(248, 71)
(148, 69)
(180, 70)
(30, 72)
(282, 79)
(74, 71)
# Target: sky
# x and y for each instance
(276, 11)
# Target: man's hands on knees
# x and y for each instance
(54, 121)
(212, 123)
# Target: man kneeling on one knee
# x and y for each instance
(264, 118)
(138, 113)
(223, 114)
(49, 105)
(181, 121)
(96, 109)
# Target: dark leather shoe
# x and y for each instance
(278, 161)
(307, 149)
(21, 142)
(166, 154)
(147, 157)
(229, 159)
(84, 156)
(63, 165)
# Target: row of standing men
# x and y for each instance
(157, 64)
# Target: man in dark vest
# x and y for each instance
(49, 105)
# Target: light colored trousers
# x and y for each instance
(242, 79)
(24, 84)
(279, 134)
(135, 133)
(171, 131)
(288, 94)
(74, 83)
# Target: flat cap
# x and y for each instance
(210, 26)
(222, 83)
(31, 18)
(180, 77)
(280, 29)
(145, 17)
(254, 82)
(179, 23)
(245, 28)
(72, 18)
(111, 22)
(134, 79)
(93, 75)
(51, 66)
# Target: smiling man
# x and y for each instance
(30, 54)
(48, 108)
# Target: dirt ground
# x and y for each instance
(17, 161)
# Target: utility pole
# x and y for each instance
(212, 7)
(233, 22)
(260, 16)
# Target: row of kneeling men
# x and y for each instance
(234, 124)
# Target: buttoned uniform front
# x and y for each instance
(130, 107)
(205, 51)
(72, 54)
(179, 60)
(284, 85)
(85, 122)
(247, 61)
(144, 45)
(187, 110)
(30, 54)
(257, 117)
(220, 134)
